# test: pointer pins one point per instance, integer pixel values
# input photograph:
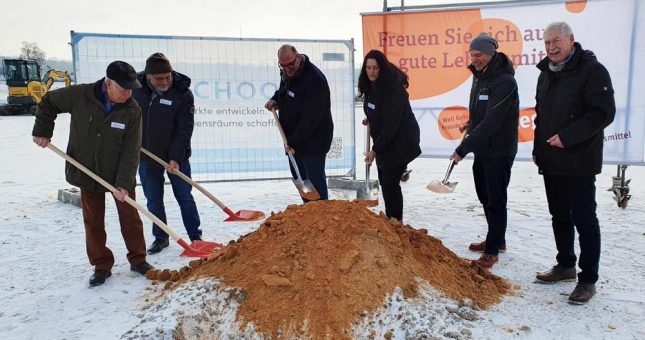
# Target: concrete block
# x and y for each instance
(71, 195)
(348, 183)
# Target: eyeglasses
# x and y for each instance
(288, 65)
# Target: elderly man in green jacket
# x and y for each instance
(105, 136)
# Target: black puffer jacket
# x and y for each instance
(305, 110)
(494, 111)
(393, 126)
(576, 103)
(168, 119)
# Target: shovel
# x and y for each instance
(370, 197)
(305, 187)
(445, 187)
(195, 249)
(242, 215)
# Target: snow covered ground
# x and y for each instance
(44, 269)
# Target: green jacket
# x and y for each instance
(106, 143)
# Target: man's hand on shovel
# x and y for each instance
(455, 158)
(369, 157)
(172, 167)
(41, 141)
(120, 194)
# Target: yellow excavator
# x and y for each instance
(26, 87)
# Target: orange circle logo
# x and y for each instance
(450, 119)
(576, 6)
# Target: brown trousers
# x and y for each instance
(100, 256)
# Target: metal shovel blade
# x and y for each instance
(306, 189)
(440, 187)
(201, 249)
(369, 198)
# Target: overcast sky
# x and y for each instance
(49, 22)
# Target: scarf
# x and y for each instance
(559, 66)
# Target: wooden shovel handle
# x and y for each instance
(277, 123)
(113, 190)
(185, 178)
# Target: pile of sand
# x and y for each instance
(315, 269)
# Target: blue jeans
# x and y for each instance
(313, 169)
(152, 181)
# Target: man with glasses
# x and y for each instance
(104, 136)
(168, 115)
(305, 115)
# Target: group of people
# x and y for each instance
(114, 117)
(574, 103)
(111, 120)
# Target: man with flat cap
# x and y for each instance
(168, 107)
(104, 136)
(492, 138)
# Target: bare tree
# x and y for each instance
(30, 50)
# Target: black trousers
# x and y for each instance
(390, 181)
(492, 175)
(572, 202)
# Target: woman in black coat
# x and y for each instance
(393, 127)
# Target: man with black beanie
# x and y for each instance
(168, 116)
(492, 138)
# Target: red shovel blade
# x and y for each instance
(202, 249)
(244, 215)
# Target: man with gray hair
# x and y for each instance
(492, 138)
(574, 103)
(305, 115)
(104, 136)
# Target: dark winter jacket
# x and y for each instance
(494, 111)
(305, 110)
(106, 143)
(393, 126)
(576, 103)
(168, 120)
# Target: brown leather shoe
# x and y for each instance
(557, 274)
(481, 246)
(582, 293)
(487, 260)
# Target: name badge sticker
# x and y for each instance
(165, 102)
(371, 106)
(118, 125)
(291, 94)
(483, 97)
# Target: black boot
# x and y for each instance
(99, 277)
(195, 237)
(141, 268)
(157, 246)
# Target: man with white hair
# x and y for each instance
(574, 103)
(104, 136)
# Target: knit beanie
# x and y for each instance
(484, 43)
(158, 63)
